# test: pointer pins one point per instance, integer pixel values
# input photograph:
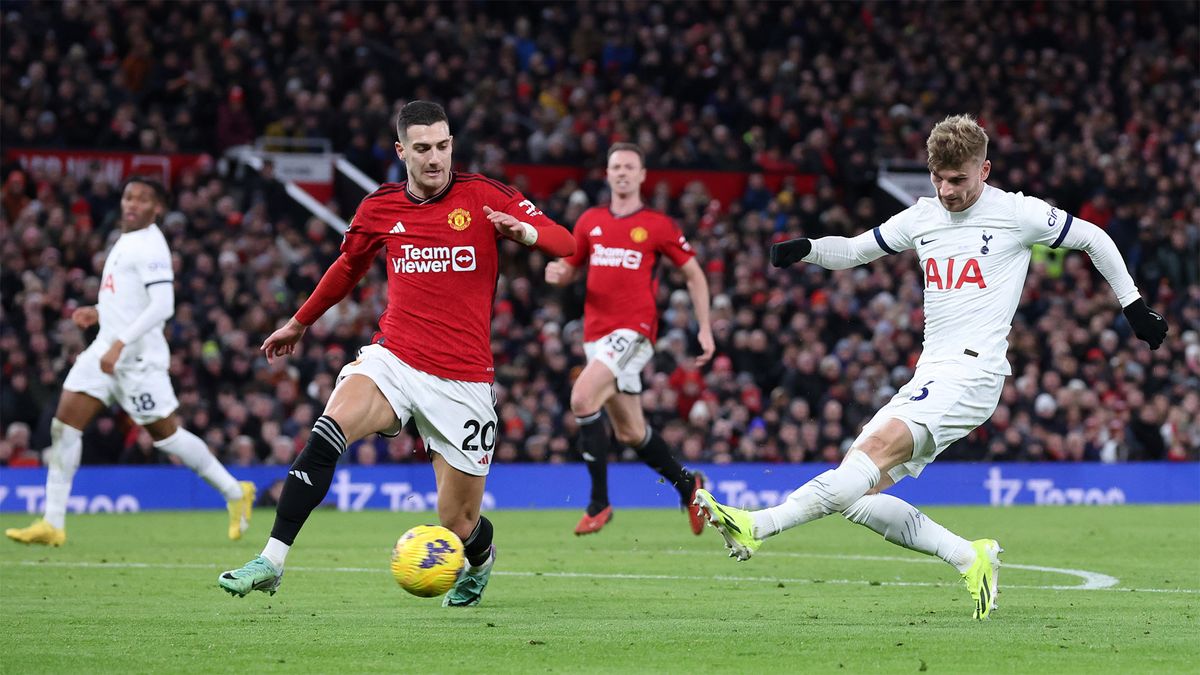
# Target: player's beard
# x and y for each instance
(432, 184)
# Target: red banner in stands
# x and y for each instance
(725, 186)
(115, 167)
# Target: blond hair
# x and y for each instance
(954, 141)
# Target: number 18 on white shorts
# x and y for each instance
(142, 387)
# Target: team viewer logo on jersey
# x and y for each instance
(462, 258)
(459, 219)
(639, 234)
(426, 259)
(611, 256)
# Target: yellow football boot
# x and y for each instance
(240, 510)
(40, 532)
(983, 577)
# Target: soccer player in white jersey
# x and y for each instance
(127, 364)
(973, 243)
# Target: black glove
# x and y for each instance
(1148, 325)
(789, 252)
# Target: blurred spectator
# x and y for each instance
(14, 447)
(1090, 105)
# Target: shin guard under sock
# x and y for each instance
(309, 479)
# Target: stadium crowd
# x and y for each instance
(1088, 105)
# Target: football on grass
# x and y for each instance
(426, 560)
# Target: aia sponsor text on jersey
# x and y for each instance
(951, 274)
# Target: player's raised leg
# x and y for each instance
(595, 386)
(75, 411)
(459, 498)
(194, 453)
(833, 491)
(355, 409)
(904, 525)
(629, 423)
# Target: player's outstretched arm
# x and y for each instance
(337, 282)
(832, 253)
(1148, 325)
(790, 252)
(283, 341)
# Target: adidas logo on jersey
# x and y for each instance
(595, 232)
(398, 228)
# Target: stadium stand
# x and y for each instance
(1094, 108)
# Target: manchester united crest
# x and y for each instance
(459, 219)
(639, 234)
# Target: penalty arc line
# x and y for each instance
(617, 575)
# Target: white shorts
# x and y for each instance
(942, 403)
(625, 352)
(141, 388)
(457, 419)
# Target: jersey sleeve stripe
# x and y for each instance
(382, 192)
(1063, 235)
(500, 186)
(160, 281)
(883, 244)
(508, 191)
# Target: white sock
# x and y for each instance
(830, 492)
(66, 449)
(196, 456)
(901, 523)
(276, 551)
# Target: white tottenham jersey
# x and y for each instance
(974, 265)
(138, 260)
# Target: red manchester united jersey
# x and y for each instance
(442, 262)
(621, 253)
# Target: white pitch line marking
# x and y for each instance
(633, 577)
(1092, 581)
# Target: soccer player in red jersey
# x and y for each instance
(621, 243)
(432, 358)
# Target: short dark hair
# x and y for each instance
(630, 147)
(160, 192)
(419, 113)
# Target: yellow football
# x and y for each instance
(427, 559)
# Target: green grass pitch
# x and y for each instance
(1084, 590)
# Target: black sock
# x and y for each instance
(478, 545)
(657, 455)
(308, 482)
(593, 445)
